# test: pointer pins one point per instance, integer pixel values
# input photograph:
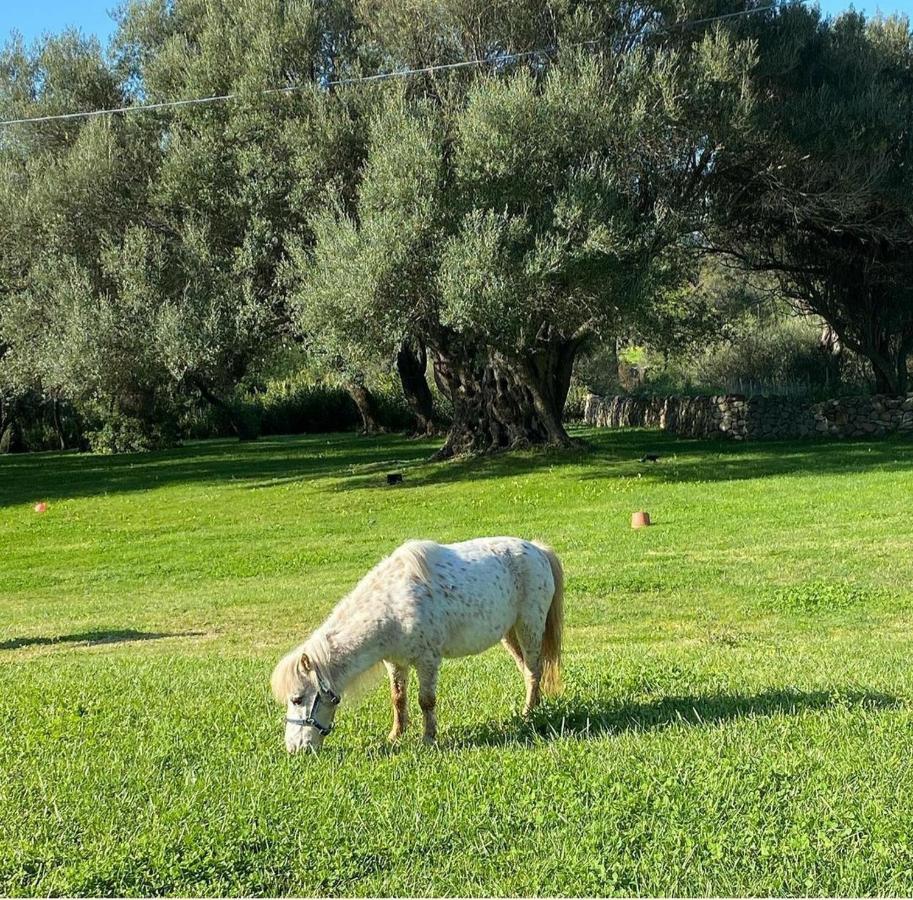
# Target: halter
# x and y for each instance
(325, 694)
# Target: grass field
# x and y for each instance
(738, 712)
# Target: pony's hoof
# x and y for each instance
(430, 740)
(394, 737)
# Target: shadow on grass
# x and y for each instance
(363, 462)
(616, 453)
(91, 638)
(586, 720)
(28, 478)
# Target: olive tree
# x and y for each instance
(507, 222)
(814, 187)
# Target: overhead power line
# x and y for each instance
(381, 76)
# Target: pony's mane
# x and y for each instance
(414, 556)
(287, 680)
(411, 560)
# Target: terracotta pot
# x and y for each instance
(640, 519)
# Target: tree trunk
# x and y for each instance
(240, 426)
(11, 440)
(58, 426)
(888, 355)
(6, 431)
(890, 367)
(411, 366)
(548, 374)
(885, 383)
(6, 423)
(499, 406)
(367, 407)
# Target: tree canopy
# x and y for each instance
(816, 185)
(489, 219)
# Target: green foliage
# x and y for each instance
(506, 223)
(777, 357)
(814, 185)
(297, 408)
(495, 219)
(298, 402)
(707, 740)
(120, 433)
(737, 335)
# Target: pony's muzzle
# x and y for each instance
(302, 742)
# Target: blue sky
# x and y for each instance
(33, 17)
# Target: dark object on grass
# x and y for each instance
(395, 478)
(649, 457)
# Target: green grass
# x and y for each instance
(738, 712)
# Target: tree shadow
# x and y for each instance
(613, 453)
(92, 638)
(359, 462)
(582, 719)
(28, 478)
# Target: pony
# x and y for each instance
(423, 603)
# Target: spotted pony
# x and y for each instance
(424, 603)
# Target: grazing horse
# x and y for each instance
(424, 602)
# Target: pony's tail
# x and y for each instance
(554, 624)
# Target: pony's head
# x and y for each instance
(310, 700)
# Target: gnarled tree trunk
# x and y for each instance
(366, 405)
(58, 424)
(499, 404)
(548, 375)
(411, 362)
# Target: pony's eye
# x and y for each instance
(299, 701)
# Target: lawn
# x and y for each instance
(738, 711)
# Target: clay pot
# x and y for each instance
(640, 519)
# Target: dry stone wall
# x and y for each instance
(741, 418)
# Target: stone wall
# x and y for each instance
(741, 418)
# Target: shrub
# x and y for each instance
(295, 407)
(774, 356)
(129, 434)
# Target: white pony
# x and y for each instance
(422, 603)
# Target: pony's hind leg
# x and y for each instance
(527, 656)
(513, 648)
(399, 681)
(427, 672)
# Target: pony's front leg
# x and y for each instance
(399, 681)
(427, 672)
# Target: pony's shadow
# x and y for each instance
(92, 638)
(574, 718)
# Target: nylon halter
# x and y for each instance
(325, 694)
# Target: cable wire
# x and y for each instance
(377, 76)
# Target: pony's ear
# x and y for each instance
(305, 663)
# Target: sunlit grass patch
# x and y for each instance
(736, 717)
